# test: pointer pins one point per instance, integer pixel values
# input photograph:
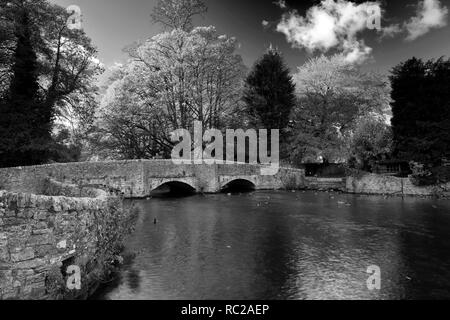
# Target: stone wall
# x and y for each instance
(52, 187)
(288, 179)
(285, 178)
(338, 184)
(387, 185)
(136, 179)
(40, 236)
(126, 176)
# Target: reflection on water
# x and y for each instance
(283, 245)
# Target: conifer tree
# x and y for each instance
(270, 92)
(421, 110)
(25, 122)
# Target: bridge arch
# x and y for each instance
(238, 185)
(172, 187)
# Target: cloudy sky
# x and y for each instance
(300, 29)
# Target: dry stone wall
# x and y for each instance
(124, 176)
(387, 185)
(40, 236)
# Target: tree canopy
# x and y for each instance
(178, 14)
(171, 80)
(61, 64)
(333, 94)
(371, 140)
(25, 121)
(269, 93)
(421, 110)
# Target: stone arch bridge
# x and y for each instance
(138, 178)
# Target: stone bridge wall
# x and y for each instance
(40, 236)
(136, 179)
(126, 176)
(286, 178)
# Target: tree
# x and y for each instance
(25, 122)
(333, 94)
(6, 53)
(269, 92)
(178, 14)
(171, 80)
(421, 110)
(66, 150)
(67, 58)
(65, 69)
(371, 139)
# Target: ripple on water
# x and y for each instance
(285, 245)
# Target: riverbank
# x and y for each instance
(374, 184)
(387, 185)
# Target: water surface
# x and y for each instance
(285, 245)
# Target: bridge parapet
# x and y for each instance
(138, 178)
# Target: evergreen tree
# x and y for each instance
(59, 84)
(421, 110)
(25, 122)
(270, 92)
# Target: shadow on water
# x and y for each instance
(173, 190)
(239, 186)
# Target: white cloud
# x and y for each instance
(430, 14)
(331, 24)
(356, 51)
(391, 31)
(265, 23)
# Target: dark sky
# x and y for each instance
(113, 24)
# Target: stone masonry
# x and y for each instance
(138, 178)
(40, 236)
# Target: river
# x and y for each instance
(285, 245)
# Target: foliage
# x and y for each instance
(171, 80)
(270, 92)
(421, 175)
(269, 95)
(64, 149)
(333, 94)
(64, 70)
(178, 14)
(25, 120)
(421, 110)
(371, 139)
